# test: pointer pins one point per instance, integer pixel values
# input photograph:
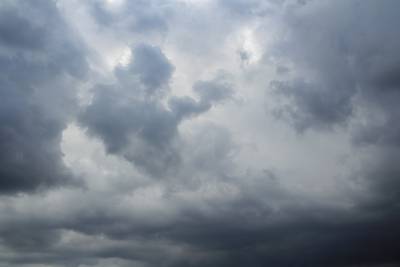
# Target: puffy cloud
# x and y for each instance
(182, 164)
(149, 66)
(39, 55)
(336, 64)
(132, 120)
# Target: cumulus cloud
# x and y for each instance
(38, 55)
(134, 122)
(149, 66)
(189, 157)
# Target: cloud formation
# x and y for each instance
(38, 55)
(199, 133)
(131, 118)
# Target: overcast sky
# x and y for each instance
(199, 133)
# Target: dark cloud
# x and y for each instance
(34, 58)
(131, 118)
(209, 92)
(212, 202)
(17, 31)
(277, 229)
(150, 66)
(346, 75)
(313, 105)
(250, 8)
(142, 17)
(341, 60)
(352, 65)
(145, 124)
(252, 221)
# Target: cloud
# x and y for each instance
(350, 79)
(150, 66)
(36, 55)
(313, 105)
(143, 17)
(181, 163)
(343, 74)
(133, 121)
(337, 64)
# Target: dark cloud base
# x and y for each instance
(30, 133)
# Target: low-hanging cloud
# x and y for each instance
(37, 52)
(182, 163)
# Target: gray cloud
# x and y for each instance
(143, 17)
(202, 186)
(209, 92)
(134, 124)
(345, 68)
(352, 74)
(313, 105)
(149, 66)
(343, 62)
(35, 59)
(145, 124)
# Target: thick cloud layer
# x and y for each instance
(343, 62)
(199, 133)
(38, 55)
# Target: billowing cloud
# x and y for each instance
(334, 64)
(131, 118)
(39, 56)
(199, 133)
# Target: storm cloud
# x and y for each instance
(199, 133)
(38, 55)
(131, 119)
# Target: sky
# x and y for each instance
(199, 133)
